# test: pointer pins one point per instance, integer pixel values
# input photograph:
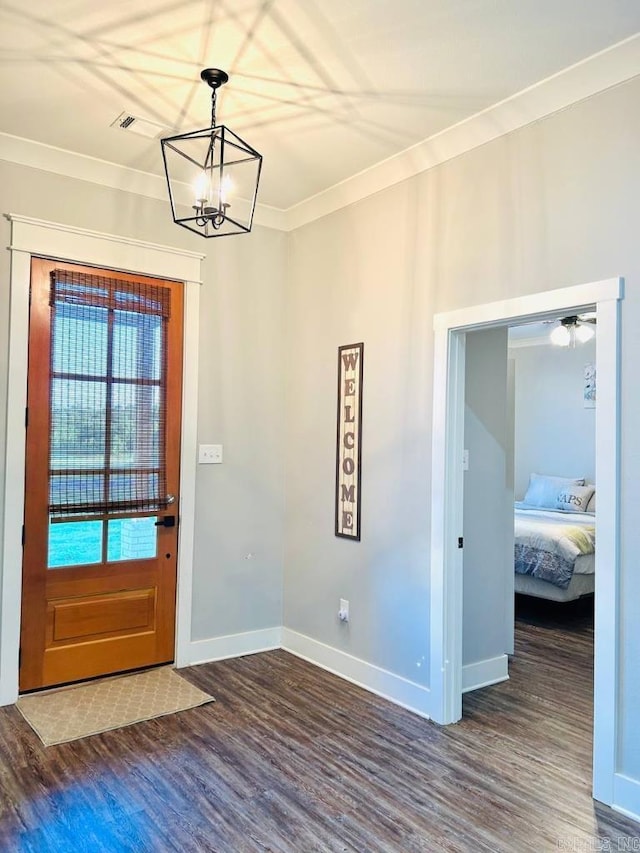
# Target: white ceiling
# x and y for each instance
(531, 333)
(322, 88)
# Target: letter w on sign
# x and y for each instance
(349, 441)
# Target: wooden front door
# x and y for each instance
(102, 473)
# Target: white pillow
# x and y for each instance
(575, 498)
(591, 506)
(543, 490)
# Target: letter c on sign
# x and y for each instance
(349, 440)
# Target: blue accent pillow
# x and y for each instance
(544, 490)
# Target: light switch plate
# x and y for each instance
(210, 454)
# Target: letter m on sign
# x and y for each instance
(348, 493)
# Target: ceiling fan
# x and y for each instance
(577, 328)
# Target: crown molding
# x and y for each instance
(597, 73)
(525, 343)
(48, 158)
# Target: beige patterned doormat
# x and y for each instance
(62, 715)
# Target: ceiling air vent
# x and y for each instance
(141, 126)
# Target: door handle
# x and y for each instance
(166, 521)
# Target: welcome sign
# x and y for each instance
(349, 442)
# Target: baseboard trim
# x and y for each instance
(414, 697)
(485, 672)
(626, 796)
(401, 691)
(232, 646)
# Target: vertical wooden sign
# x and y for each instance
(349, 441)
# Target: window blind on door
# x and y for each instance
(108, 395)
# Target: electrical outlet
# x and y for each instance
(343, 613)
(210, 454)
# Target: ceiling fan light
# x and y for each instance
(560, 336)
(584, 332)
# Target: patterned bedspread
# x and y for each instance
(548, 543)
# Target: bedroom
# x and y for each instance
(529, 432)
(554, 435)
(530, 418)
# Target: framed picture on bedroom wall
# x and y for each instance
(349, 441)
(589, 394)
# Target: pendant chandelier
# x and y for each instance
(221, 170)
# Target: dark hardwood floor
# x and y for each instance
(291, 758)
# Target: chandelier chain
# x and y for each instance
(213, 108)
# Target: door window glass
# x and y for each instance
(132, 538)
(75, 543)
(81, 543)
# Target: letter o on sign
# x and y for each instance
(348, 466)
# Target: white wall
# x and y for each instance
(353, 278)
(551, 205)
(239, 503)
(488, 498)
(554, 433)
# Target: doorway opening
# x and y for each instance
(448, 492)
(529, 531)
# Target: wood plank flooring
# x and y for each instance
(291, 758)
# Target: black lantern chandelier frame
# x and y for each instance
(222, 169)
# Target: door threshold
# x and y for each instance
(69, 685)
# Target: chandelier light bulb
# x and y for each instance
(226, 190)
(202, 188)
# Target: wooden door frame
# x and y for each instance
(447, 496)
(78, 245)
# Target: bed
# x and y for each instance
(555, 546)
